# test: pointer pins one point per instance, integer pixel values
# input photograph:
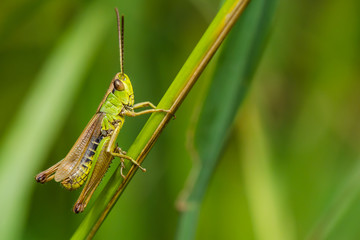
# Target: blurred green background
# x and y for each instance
(290, 169)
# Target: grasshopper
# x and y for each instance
(92, 153)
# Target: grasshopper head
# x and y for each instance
(123, 89)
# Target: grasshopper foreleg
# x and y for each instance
(135, 114)
(146, 104)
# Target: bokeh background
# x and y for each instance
(290, 168)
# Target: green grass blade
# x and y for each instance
(342, 202)
(44, 109)
(172, 99)
(231, 81)
(271, 218)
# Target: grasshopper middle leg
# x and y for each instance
(117, 152)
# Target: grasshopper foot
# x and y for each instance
(122, 167)
(172, 114)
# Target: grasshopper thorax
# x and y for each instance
(123, 89)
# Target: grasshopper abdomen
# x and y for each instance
(79, 177)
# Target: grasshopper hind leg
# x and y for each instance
(103, 160)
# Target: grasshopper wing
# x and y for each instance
(72, 159)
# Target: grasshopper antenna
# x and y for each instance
(121, 39)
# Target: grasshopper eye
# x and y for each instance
(118, 85)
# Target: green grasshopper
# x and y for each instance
(92, 153)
